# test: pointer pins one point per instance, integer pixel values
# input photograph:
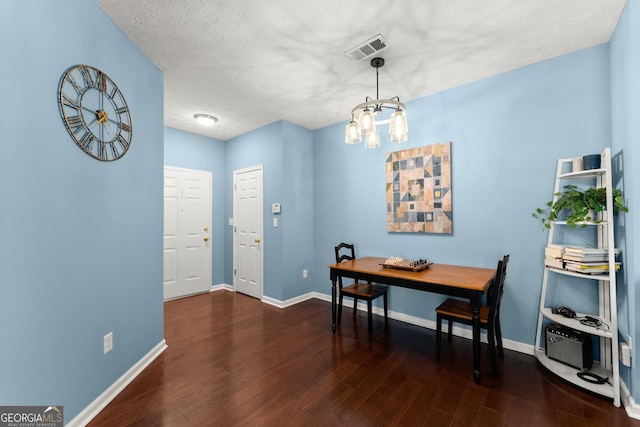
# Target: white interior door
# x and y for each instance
(187, 232)
(248, 226)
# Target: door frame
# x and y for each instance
(261, 214)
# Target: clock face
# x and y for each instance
(95, 113)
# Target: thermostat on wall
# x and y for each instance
(275, 208)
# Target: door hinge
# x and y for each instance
(234, 271)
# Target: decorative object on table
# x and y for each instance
(578, 206)
(592, 161)
(418, 188)
(406, 264)
(95, 113)
(370, 116)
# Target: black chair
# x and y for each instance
(358, 291)
(454, 310)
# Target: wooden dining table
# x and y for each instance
(453, 280)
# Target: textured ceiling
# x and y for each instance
(253, 62)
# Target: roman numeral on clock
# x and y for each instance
(75, 122)
(70, 102)
(125, 127)
(88, 78)
(123, 142)
(86, 142)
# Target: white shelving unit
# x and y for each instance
(608, 365)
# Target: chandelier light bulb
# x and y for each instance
(398, 128)
(372, 140)
(366, 122)
(352, 134)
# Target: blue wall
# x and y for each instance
(507, 133)
(82, 239)
(285, 152)
(625, 93)
(297, 216)
(191, 151)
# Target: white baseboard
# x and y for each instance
(268, 300)
(632, 408)
(221, 286)
(94, 408)
(289, 302)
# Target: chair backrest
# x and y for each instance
(344, 252)
(497, 288)
(348, 250)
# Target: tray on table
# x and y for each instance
(407, 264)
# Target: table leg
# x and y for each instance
(476, 300)
(333, 306)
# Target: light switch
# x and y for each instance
(275, 222)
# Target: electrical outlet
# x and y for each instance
(625, 354)
(108, 342)
(305, 274)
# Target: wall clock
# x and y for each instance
(95, 113)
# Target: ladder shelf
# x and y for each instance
(606, 332)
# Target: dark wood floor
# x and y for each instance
(233, 360)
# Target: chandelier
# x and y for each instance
(365, 124)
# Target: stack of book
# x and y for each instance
(553, 256)
(588, 260)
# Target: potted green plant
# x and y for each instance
(577, 206)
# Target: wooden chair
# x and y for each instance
(358, 291)
(454, 310)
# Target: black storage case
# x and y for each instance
(568, 346)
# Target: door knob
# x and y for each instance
(257, 240)
(206, 238)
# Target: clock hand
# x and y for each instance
(107, 128)
(88, 109)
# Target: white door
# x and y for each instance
(187, 232)
(247, 236)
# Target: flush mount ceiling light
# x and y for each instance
(205, 119)
(365, 124)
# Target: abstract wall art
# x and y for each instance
(418, 188)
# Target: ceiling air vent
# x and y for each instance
(368, 48)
